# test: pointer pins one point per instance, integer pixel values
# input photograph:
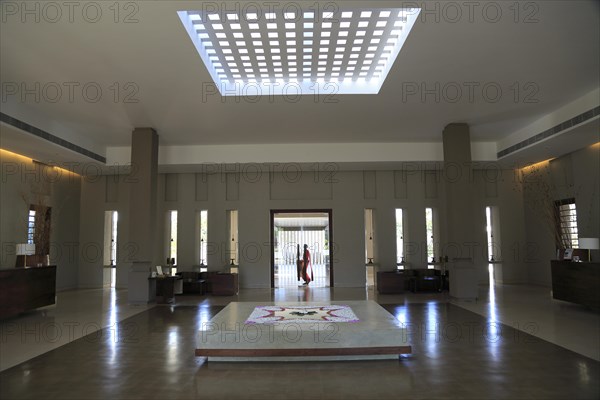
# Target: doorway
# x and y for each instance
(290, 231)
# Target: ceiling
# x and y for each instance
(150, 75)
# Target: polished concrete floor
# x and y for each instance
(460, 350)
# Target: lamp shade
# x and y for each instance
(589, 243)
(25, 249)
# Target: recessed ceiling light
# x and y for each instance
(223, 44)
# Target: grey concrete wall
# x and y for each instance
(575, 175)
(23, 183)
(348, 194)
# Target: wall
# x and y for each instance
(575, 175)
(23, 182)
(254, 193)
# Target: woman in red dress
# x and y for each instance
(307, 272)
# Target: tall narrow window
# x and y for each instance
(429, 224)
(400, 238)
(567, 223)
(111, 219)
(232, 216)
(203, 235)
(172, 236)
(369, 245)
(31, 227)
(490, 234)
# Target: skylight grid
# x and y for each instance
(353, 49)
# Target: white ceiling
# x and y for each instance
(555, 60)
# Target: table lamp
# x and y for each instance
(589, 244)
(25, 249)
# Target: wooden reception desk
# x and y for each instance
(23, 289)
(576, 282)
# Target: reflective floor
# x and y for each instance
(457, 352)
(286, 275)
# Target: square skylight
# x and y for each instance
(257, 41)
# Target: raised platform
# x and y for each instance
(367, 333)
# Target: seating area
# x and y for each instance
(414, 280)
(215, 283)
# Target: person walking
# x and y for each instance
(307, 272)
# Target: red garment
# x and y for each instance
(307, 272)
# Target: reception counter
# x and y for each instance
(26, 288)
(576, 282)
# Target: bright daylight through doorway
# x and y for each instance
(291, 231)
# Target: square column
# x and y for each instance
(142, 213)
(459, 206)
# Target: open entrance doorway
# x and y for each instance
(290, 231)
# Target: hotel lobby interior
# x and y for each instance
(163, 163)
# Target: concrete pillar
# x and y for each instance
(142, 212)
(459, 205)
